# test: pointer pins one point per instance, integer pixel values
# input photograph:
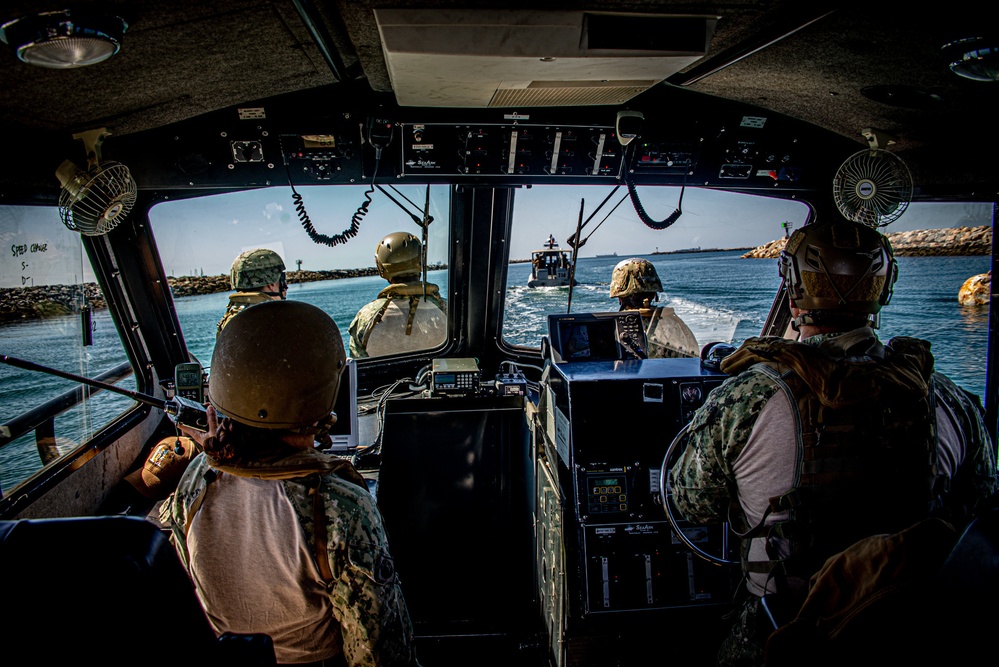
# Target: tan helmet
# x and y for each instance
(840, 269)
(399, 254)
(255, 268)
(634, 276)
(277, 366)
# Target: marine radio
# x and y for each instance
(188, 381)
(454, 377)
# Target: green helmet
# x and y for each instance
(255, 268)
(634, 276)
(842, 269)
(277, 366)
(399, 254)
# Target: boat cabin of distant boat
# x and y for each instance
(550, 266)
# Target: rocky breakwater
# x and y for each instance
(195, 285)
(31, 303)
(917, 243)
(976, 290)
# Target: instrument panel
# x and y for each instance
(676, 141)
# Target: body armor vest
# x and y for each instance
(867, 449)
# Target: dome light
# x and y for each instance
(974, 58)
(64, 39)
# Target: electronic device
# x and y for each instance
(188, 382)
(605, 427)
(344, 432)
(454, 377)
(629, 126)
(597, 336)
(511, 384)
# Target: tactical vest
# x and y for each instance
(238, 302)
(413, 294)
(867, 449)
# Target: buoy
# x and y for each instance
(976, 290)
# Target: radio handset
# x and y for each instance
(185, 412)
(380, 132)
(188, 381)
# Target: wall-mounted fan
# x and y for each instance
(872, 187)
(95, 200)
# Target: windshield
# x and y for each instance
(707, 279)
(200, 239)
(52, 314)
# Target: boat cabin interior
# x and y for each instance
(520, 485)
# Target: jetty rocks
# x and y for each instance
(32, 303)
(917, 243)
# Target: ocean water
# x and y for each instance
(720, 296)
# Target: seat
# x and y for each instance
(107, 590)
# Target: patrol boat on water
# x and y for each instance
(520, 490)
(550, 266)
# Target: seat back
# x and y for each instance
(108, 591)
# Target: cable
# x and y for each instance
(657, 225)
(355, 221)
(375, 448)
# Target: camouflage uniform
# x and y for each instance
(237, 303)
(369, 621)
(405, 322)
(735, 461)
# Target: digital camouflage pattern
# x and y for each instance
(408, 297)
(365, 592)
(703, 481)
(255, 268)
(237, 303)
(634, 276)
(980, 465)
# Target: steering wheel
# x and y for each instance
(674, 523)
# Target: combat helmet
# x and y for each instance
(634, 276)
(399, 254)
(255, 268)
(839, 270)
(277, 366)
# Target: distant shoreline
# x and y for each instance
(30, 303)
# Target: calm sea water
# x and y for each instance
(721, 296)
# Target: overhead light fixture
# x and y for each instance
(64, 39)
(975, 58)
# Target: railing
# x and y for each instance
(41, 419)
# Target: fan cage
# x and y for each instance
(96, 201)
(873, 188)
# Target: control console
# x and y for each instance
(603, 429)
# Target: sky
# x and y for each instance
(203, 236)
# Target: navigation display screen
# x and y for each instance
(588, 340)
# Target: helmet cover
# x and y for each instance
(840, 266)
(634, 276)
(255, 268)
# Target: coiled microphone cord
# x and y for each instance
(355, 220)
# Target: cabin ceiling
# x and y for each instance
(844, 66)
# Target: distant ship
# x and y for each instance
(613, 254)
(550, 266)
